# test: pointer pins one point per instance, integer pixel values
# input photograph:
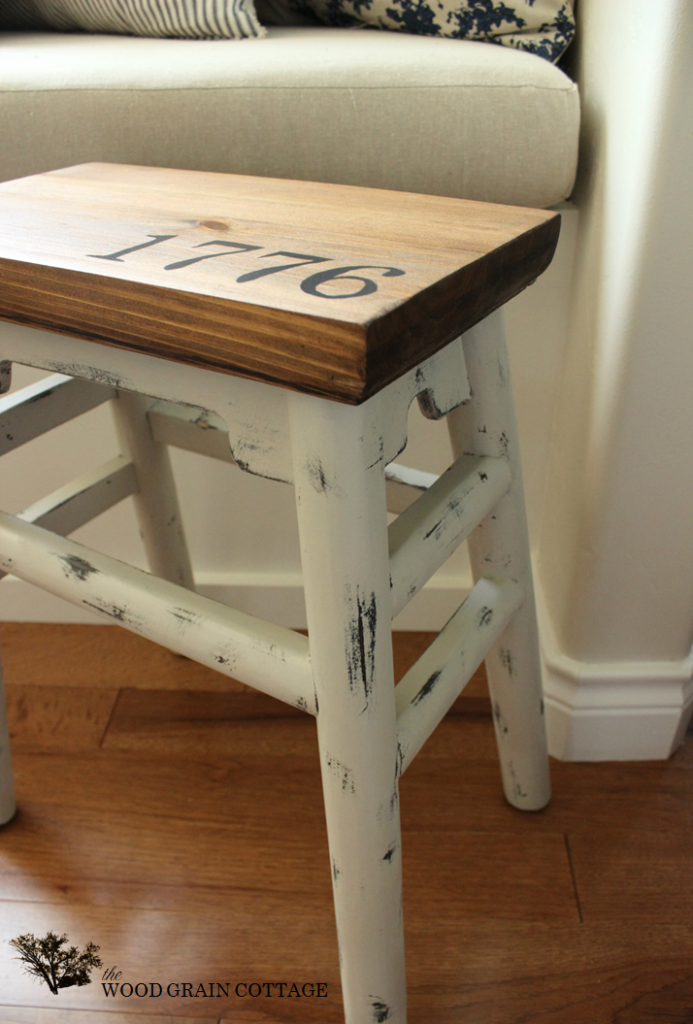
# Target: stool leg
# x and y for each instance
(156, 504)
(8, 805)
(343, 529)
(499, 548)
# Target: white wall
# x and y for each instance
(616, 547)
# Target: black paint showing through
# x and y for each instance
(399, 763)
(485, 616)
(184, 617)
(433, 529)
(78, 567)
(41, 395)
(317, 477)
(381, 1011)
(342, 772)
(361, 645)
(498, 715)
(92, 373)
(427, 686)
(507, 661)
(117, 612)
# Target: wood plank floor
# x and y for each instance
(174, 818)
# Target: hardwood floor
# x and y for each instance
(174, 818)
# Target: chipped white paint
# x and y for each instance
(205, 433)
(270, 658)
(499, 550)
(255, 413)
(193, 430)
(156, 502)
(28, 413)
(428, 690)
(340, 459)
(440, 384)
(424, 536)
(340, 499)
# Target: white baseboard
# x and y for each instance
(615, 711)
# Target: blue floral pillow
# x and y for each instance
(544, 27)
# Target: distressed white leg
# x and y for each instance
(499, 549)
(156, 503)
(340, 496)
(8, 805)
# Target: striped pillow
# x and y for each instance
(180, 19)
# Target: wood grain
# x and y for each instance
(188, 861)
(195, 724)
(46, 1015)
(647, 874)
(99, 657)
(182, 288)
(95, 656)
(51, 718)
(501, 880)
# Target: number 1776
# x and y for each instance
(311, 284)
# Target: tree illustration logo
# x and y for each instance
(48, 960)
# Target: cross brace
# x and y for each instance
(431, 686)
(271, 658)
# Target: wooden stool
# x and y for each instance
(287, 327)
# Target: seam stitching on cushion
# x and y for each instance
(288, 88)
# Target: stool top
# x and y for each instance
(328, 289)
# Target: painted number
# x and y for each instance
(311, 285)
(116, 256)
(300, 256)
(235, 246)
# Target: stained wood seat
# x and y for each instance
(287, 327)
(321, 288)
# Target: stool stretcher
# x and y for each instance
(84, 498)
(38, 408)
(499, 549)
(270, 658)
(424, 536)
(426, 693)
(204, 433)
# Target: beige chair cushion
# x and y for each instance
(440, 116)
